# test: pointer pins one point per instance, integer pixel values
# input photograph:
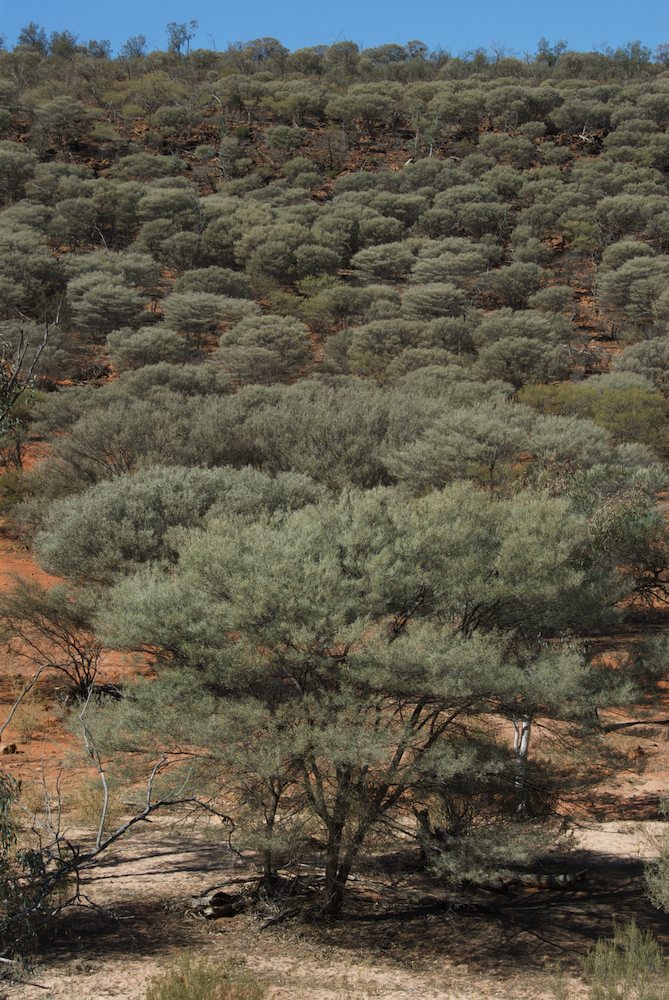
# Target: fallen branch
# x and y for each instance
(280, 917)
(532, 880)
(637, 722)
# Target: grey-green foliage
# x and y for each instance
(629, 213)
(215, 281)
(55, 180)
(28, 214)
(17, 165)
(199, 313)
(179, 205)
(60, 121)
(372, 347)
(516, 150)
(100, 302)
(147, 346)
(522, 361)
(483, 441)
(554, 299)
(477, 443)
(620, 252)
(528, 323)
(264, 349)
(119, 435)
(353, 575)
(531, 250)
(332, 433)
(73, 223)
(131, 267)
(449, 260)
(388, 262)
(144, 167)
(164, 384)
(434, 299)
(338, 432)
(30, 275)
(190, 380)
(284, 138)
(115, 527)
(335, 432)
(413, 358)
(514, 284)
(649, 358)
(635, 286)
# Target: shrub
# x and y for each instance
(148, 346)
(201, 979)
(26, 896)
(519, 361)
(215, 281)
(649, 358)
(265, 348)
(514, 284)
(631, 964)
(434, 299)
(100, 303)
(198, 313)
(13, 490)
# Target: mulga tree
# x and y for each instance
(265, 349)
(365, 676)
(51, 629)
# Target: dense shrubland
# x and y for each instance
(309, 338)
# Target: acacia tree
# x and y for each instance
(180, 35)
(18, 363)
(51, 628)
(355, 689)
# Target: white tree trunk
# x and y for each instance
(522, 730)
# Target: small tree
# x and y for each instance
(33, 36)
(51, 629)
(147, 346)
(514, 284)
(649, 358)
(134, 47)
(180, 35)
(197, 314)
(100, 303)
(17, 166)
(521, 361)
(354, 705)
(265, 348)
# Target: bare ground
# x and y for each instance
(480, 945)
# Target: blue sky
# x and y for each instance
(456, 25)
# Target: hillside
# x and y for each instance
(333, 431)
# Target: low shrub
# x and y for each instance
(202, 979)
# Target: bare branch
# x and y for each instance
(26, 690)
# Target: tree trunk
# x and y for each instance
(271, 810)
(522, 729)
(334, 889)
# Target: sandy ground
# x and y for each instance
(143, 887)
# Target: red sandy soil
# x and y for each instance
(41, 754)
